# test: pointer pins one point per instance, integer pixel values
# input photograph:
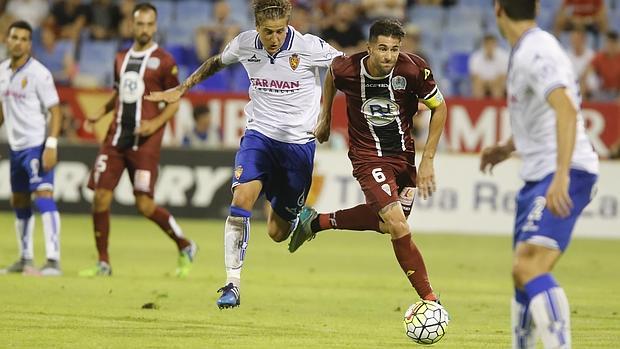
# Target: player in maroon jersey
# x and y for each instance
(382, 88)
(134, 139)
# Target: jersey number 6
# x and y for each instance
(378, 175)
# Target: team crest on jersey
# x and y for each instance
(238, 172)
(294, 61)
(153, 63)
(24, 82)
(399, 83)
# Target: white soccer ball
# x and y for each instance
(426, 322)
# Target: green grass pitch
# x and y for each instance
(342, 290)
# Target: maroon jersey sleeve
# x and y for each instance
(424, 85)
(118, 61)
(170, 72)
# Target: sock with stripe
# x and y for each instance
(523, 330)
(412, 263)
(168, 224)
(51, 226)
(550, 311)
(361, 217)
(24, 226)
(236, 238)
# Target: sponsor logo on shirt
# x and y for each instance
(275, 85)
(24, 82)
(380, 111)
(254, 59)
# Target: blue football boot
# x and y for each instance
(230, 297)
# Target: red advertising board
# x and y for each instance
(471, 123)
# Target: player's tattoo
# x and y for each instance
(208, 68)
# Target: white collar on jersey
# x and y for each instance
(148, 51)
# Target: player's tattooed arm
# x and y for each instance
(208, 68)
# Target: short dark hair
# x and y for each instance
(386, 27)
(21, 25)
(144, 6)
(200, 110)
(519, 10)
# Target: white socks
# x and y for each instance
(24, 228)
(551, 313)
(236, 237)
(51, 230)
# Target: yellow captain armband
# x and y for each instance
(433, 99)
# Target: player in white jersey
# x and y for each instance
(27, 94)
(560, 170)
(276, 154)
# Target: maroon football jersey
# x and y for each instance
(136, 74)
(380, 109)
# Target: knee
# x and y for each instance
(276, 233)
(102, 200)
(396, 228)
(521, 273)
(145, 205)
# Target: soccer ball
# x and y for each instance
(426, 322)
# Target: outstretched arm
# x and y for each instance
(322, 129)
(208, 68)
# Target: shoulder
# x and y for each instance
(248, 38)
(537, 45)
(410, 64)
(5, 64)
(347, 65)
(164, 56)
(38, 68)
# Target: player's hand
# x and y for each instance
(492, 156)
(147, 128)
(558, 200)
(169, 96)
(49, 158)
(322, 130)
(425, 179)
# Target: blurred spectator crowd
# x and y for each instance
(77, 39)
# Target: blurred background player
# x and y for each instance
(276, 154)
(203, 134)
(134, 139)
(487, 67)
(28, 94)
(382, 88)
(559, 168)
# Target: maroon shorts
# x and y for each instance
(142, 165)
(385, 181)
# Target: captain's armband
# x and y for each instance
(433, 99)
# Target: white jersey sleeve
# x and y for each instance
(545, 75)
(46, 90)
(322, 52)
(230, 54)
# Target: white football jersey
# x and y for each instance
(538, 65)
(285, 89)
(26, 96)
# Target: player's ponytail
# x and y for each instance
(271, 9)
